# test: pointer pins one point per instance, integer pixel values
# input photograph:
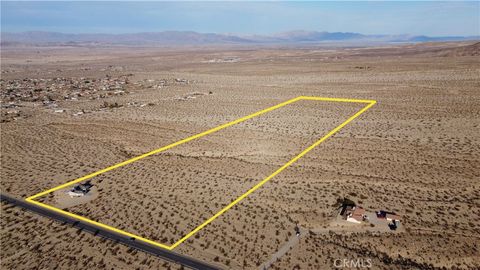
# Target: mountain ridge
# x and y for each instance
(195, 38)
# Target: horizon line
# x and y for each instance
(272, 34)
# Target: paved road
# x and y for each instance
(97, 231)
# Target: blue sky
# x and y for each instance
(392, 17)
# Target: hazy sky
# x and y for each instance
(402, 17)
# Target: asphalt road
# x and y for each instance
(97, 231)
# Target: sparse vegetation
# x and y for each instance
(413, 153)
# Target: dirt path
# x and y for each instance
(292, 241)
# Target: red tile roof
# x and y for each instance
(358, 213)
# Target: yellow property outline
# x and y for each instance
(31, 199)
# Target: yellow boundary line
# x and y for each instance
(30, 199)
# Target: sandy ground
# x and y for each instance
(415, 152)
(62, 200)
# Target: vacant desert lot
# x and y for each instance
(416, 152)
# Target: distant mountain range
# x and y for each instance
(194, 38)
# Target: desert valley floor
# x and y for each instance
(70, 111)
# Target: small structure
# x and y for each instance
(390, 216)
(80, 190)
(351, 212)
(356, 214)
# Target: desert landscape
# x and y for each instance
(68, 111)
